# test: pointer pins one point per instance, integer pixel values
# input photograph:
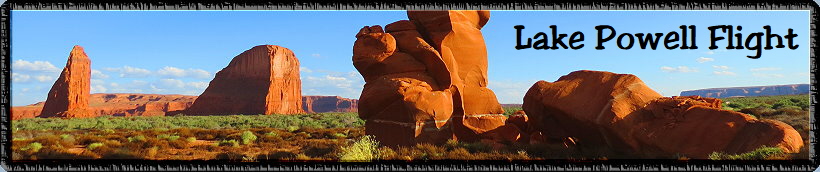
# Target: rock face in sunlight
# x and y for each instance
(320, 104)
(426, 80)
(262, 80)
(619, 112)
(68, 96)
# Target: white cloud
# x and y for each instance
(172, 83)
(720, 67)
(98, 89)
(704, 59)
(348, 84)
(173, 72)
(510, 92)
(304, 70)
(710, 52)
(316, 55)
(98, 74)
(45, 78)
(681, 69)
(724, 73)
(198, 85)
(130, 72)
(16, 77)
(767, 75)
(36, 66)
(764, 69)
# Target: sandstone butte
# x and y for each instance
(68, 96)
(426, 80)
(262, 80)
(320, 104)
(619, 112)
(103, 104)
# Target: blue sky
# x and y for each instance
(178, 52)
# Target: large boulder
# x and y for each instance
(426, 79)
(619, 112)
(262, 80)
(319, 104)
(68, 96)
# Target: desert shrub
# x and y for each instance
(32, 147)
(121, 153)
(365, 149)
(168, 137)
(190, 139)
(339, 135)
(762, 153)
(510, 110)
(88, 139)
(138, 138)
(248, 137)
(758, 111)
(323, 120)
(292, 128)
(93, 146)
(232, 143)
(64, 136)
(321, 148)
(178, 143)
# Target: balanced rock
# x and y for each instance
(262, 80)
(68, 96)
(619, 112)
(320, 104)
(418, 91)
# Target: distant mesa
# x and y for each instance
(120, 104)
(321, 104)
(592, 109)
(772, 90)
(262, 80)
(103, 104)
(68, 96)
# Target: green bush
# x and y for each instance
(232, 143)
(93, 146)
(138, 138)
(109, 124)
(248, 137)
(64, 136)
(365, 149)
(168, 137)
(32, 147)
(190, 139)
(762, 153)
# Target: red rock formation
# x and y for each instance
(262, 80)
(320, 104)
(420, 91)
(68, 96)
(620, 112)
(103, 104)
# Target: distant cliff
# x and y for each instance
(771, 90)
